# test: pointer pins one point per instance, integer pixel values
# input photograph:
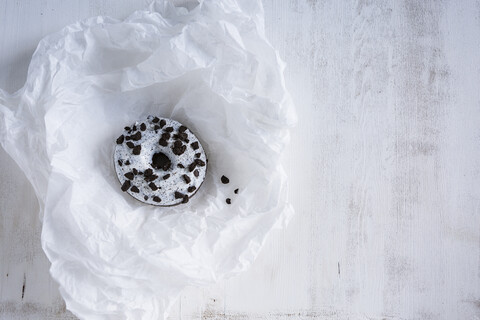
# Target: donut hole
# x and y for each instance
(161, 161)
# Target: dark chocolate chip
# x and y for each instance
(166, 135)
(120, 139)
(192, 166)
(165, 177)
(155, 120)
(194, 145)
(185, 199)
(126, 185)
(129, 175)
(120, 162)
(180, 165)
(229, 201)
(135, 171)
(236, 191)
(136, 151)
(182, 129)
(130, 144)
(198, 155)
(191, 189)
(156, 127)
(168, 129)
(134, 189)
(153, 186)
(157, 199)
(178, 195)
(127, 162)
(200, 162)
(196, 173)
(162, 123)
(163, 142)
(137, 136)
(186, 179)
(127, 128)
(161, 161)
(225, 180)
(148, 172)
(146, 198)
(143, 127)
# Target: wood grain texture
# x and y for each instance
(384, 166)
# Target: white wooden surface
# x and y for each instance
(384, 166)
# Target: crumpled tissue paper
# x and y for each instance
(208, 66)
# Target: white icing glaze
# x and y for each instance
(149, 146)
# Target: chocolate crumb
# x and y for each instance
(200, 163)
(180, 165)
(163, 142)
(191, 189)
(130, 144)
(129, 175)
(165, 177)
(153, 186)
(178, 195)
(136, 151)
(127, 128)
(177, 144)
(168, 129)
(198, 155)
(182, 129)
(143, 127)
(120, 139)
(134, 189)
(155, 120)
(120, 162)
(127, 162)
(192, 166)
(185, 199)
(194, 145)
(157, 199)
(235, 191)
(126, 185)
(162, 123)
(140, 172)
(134, 128)
(186, 179)
(151, 178)
(196, 173)
(146, 198)
(229, 201)
(225, 180)
(148, 172)
(166, 135)
(137, 136)
(135, 171)
(128, 138)
(156, 127)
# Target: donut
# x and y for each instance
(159, 161)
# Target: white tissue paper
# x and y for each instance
(208, 66)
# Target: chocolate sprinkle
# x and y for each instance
(225, 180)
(157, 199)
(136, 151)
(196, 173)
(168, 129)
(165, 177)
(126, 185)
(229, 201)
(185, 199)
(130, 144)
(156, 119)
(178, 195)
(120, 139)
(153, 186)
(191, 189)
(129, 175)
(143, 127)
(137, 136)
(186, 179)
(195, 145)
(236, 191)
(134, 189)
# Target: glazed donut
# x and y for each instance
(160, 162)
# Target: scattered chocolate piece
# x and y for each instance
(161, 161)
(135, 171)
(148, 172)
(165, 177)
(156, 127)
(156, 199)
(229, 201)
(181, 136)
(127, 162)
(225, 180)
(134, 128)
(236, 191)
(191, 189)
(129, 175)
(120, 162)
(196, 173)
(134, 189)
(155, 120)
(136, 151)
(151, 178)
(200, 162)
(126, 185)
(130, 144)
(194, 145)
(180, 165)
(192, 166)
(185, 199)
(182, 129)
(162, 123)
(166, 135)
(163, 142)
(178, 195)
(198, 155)
(168, 129)
(140, 172)
(120, 139)
(137, 136)
(177, 144)
(128, 138)
(186, 179)
(146, 198)
(179, 150)
(127, 128)
(153, 186)
(143, 127)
